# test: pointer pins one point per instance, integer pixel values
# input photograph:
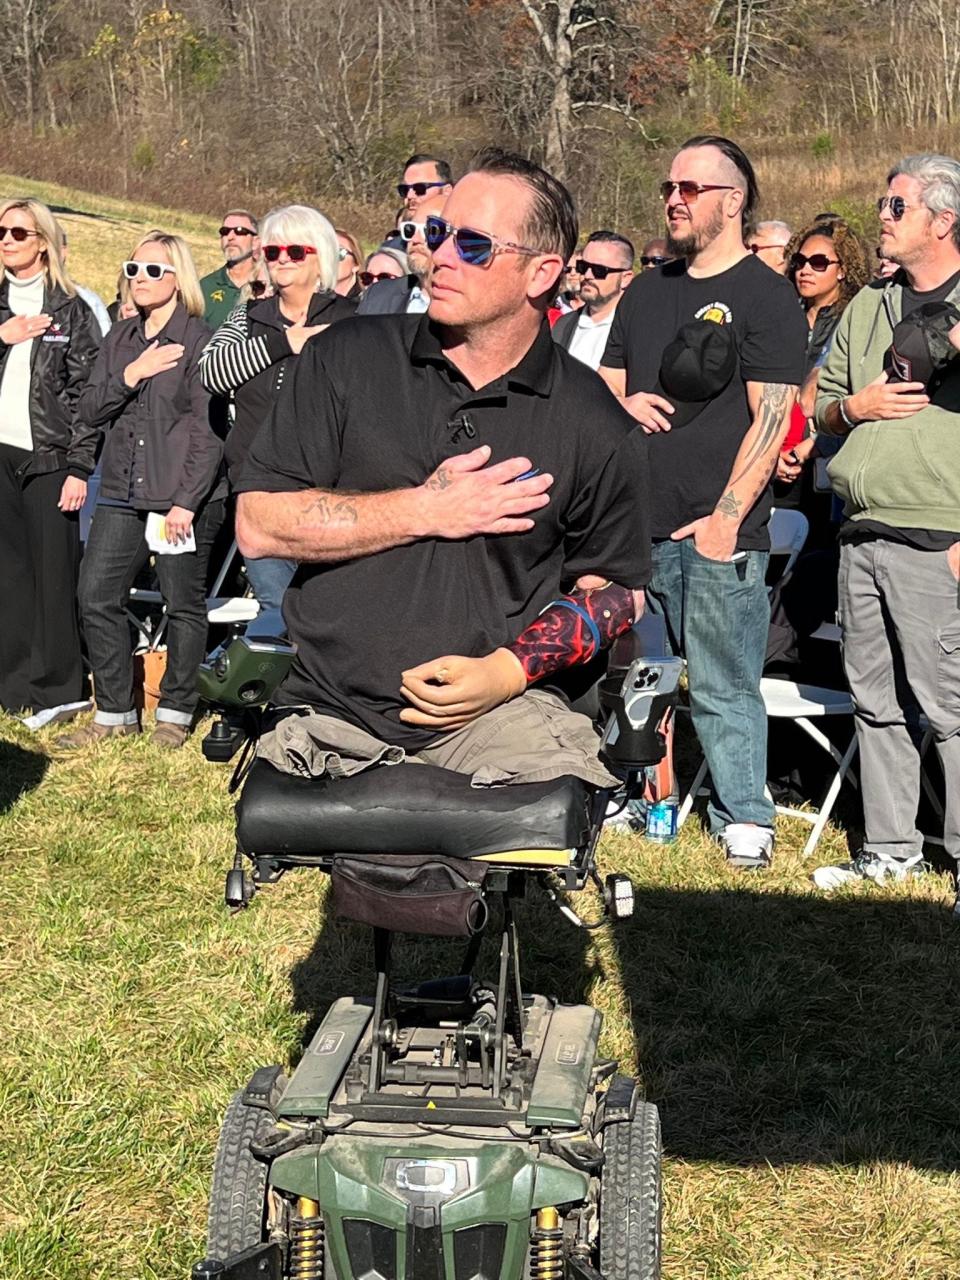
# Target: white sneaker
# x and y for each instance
(56, 715)
(747, 846)
(867, 866)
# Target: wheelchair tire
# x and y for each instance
(630, 1198)
(236, 1218)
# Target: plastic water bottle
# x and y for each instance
(662, 820)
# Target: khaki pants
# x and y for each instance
(534, 738)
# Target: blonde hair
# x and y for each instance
(188, 282)
(51, 234)
(302, 224)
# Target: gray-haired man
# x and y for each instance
(899, 475)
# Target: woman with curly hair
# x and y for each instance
(827, 266)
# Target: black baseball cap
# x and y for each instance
(921, 349)
(696, 366)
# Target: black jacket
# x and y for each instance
(564, 329)
(60, 364)
(160, 449)
(254, 399)
(388, 297)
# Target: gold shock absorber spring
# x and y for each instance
(306, 1241)
(546, 1239)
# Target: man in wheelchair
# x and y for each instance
(468, 508)
(441, 480)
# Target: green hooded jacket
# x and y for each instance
(904, 473)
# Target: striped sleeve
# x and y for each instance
(232, 357)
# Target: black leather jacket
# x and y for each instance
(161, 448)
(60, 364)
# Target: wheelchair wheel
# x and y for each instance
(238, 1194)
(630, 1198)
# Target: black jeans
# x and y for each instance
(115, 553)
(40, 664)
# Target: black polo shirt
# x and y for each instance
(373, 404)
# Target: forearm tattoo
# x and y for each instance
(574, 628)
(773, 407)
(327, 508)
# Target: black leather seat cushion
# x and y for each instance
(406, 808)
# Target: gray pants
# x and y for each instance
(901, 652)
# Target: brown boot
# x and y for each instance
(91, 734)
(168, 735)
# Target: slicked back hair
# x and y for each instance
(939, 178)
(738, 158)
(551, 221)
(442, 167)
(613, 237)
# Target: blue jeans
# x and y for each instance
(717, 616)
(269, 578)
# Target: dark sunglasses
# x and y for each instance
(652, 261)
(408, 229)
(898, 206)
(689, 191)
(367, 278)
(19, 234)
(596, 269)
(816, 261)
(755, 247)
(237, 231)
(152, 270)
(418, 188)
(476, 248)
(295, 252)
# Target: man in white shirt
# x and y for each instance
(606, 268)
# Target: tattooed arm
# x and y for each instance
(715, 535)
(462, 498)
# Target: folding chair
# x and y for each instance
(801, 703)
(788, 534)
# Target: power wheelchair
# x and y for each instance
(457, 1129)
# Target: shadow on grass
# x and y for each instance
(795, 1029)
(770, 1027)
(20, 771)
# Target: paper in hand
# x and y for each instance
(159, 543)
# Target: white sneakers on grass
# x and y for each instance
(747, 846)
(868, 866)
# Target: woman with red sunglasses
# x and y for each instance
(249, 356)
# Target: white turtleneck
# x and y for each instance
(25, 299)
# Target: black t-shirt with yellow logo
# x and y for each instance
(690, 467)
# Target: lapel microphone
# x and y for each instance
(461, 426)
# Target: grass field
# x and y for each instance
(804, 1049)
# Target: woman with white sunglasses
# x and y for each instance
(162, 454)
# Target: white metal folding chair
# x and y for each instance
(220, 609)
(803, 704)
(788, 534)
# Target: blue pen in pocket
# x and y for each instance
(527, 475)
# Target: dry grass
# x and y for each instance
(803, 1049)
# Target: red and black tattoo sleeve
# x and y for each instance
(572, 629)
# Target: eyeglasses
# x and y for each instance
(295, 252)
(897, 205)
(237, 231)
(476, 248)
(596, 269)
(755, 248)
(19, 234)
(689, 191)
(367, 278)
(653, 260)
(418, 188)
(343, 253)
(816, 261)
(152, 270)
(409, 229)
